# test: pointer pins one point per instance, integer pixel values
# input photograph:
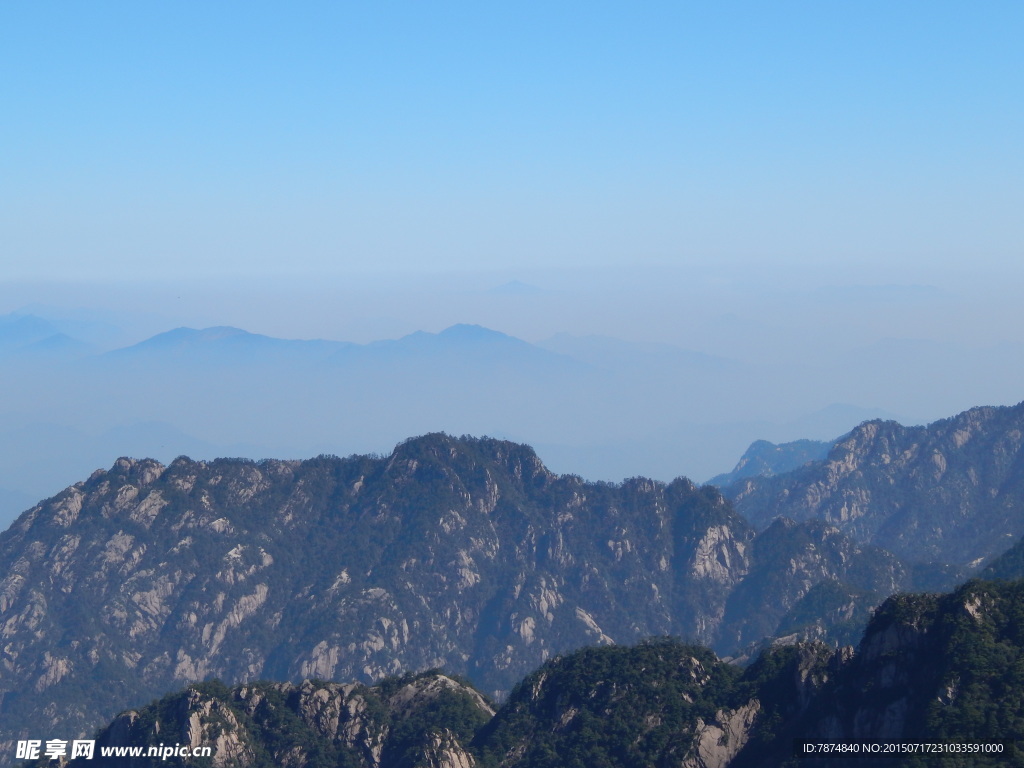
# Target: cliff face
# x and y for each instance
(456, 553)
(952, 491)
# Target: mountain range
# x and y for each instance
(461, 553)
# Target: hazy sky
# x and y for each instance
(181, 140)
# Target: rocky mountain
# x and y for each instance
(466, 554)
(932, 669)
(765, 459)
(952, 491)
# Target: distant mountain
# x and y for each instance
(230, 346)
(226, 346)
(765, 459)
(58, 346)
(229, 392)
(459, 343)
(27, 338)
(952, 491)
(18, 331)
(101, 330)
(462, 553)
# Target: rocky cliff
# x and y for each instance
(951, 492)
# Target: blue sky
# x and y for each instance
(160, 140)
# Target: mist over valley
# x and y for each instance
(83, 386)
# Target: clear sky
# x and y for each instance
(161, 140)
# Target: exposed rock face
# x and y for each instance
(950, 492)
(444, 751)
(719, 741)
(311, 724)
(457, 553)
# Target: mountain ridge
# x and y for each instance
(877, 482)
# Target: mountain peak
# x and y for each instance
(472, 331)
(184, 337)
